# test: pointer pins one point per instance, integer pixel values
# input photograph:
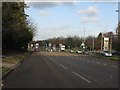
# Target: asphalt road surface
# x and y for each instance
(41, 70)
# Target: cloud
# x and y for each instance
(43, 13)
(90, 11)
(47, 3)
(91, 14)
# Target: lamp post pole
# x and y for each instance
(102, 42)
(93, 44)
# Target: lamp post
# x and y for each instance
(118, 11)
(93, 44)
(102, 42)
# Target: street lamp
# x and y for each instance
(93, 44)
(118, 11)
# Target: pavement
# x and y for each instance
(58, 70)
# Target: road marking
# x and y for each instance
(114, 66)
(96, 80)
(63, 66)
(105, 64)
(88, 60)
(98, 62)
(81, 77)
(110, 76)
(52, 59)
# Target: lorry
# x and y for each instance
(62, 47)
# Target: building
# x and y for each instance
(106, 41)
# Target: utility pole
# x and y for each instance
(93, 44)
(84, 35)
(84, 41)
(102, 42)
(111, 44)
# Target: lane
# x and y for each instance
(39, 71)
(100, 74)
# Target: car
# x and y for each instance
(106, 53)
(86, 52)
(71, 51)
(79, 51)
(36, 49)
(115, 53)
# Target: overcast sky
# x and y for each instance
(60, 18)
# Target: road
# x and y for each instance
(42, 70)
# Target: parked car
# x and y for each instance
(86, 52)
(71, 51)
(79, 51)
(106, 53)
(115, 53)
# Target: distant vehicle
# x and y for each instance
(79, 51)
(86, 52)
(36, 48)
(106, 53)
(62, 47)
(71, 51)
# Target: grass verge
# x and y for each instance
(4, 70)
(115, 58)
(10, 61)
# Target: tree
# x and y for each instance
(89, 42)
(16, 30)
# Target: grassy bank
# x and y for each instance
(11, 60)
(115, 58)
(5, 69)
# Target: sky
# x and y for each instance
(63, 18)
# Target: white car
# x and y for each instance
(79, 52)
(106, 53)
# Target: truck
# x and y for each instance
(62, 47)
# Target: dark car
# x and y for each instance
(115, 53)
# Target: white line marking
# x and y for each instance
(114, 66)
(98, 62)
(53, 59)
(110, 76)
(63, 66)
(96, 80)
(81, 77)
(105, 64)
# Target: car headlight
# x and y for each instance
(106, 53)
